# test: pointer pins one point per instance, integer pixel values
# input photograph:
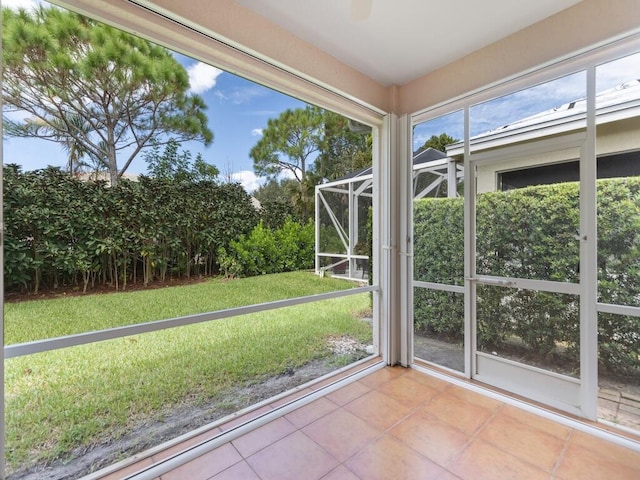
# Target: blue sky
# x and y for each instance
(238, 110)
(522, 104)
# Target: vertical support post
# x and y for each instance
(469, 254)
(351, 247)
(589, 259)
(452, 182)
(384, 237)
(356, 227)
(317, 229)
(404, 185)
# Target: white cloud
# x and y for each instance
(612, 74)
(262, 113)
(202, 77)
(257, 132)
(238, 96)
(16, 4)
(288, 174)
(247, 179)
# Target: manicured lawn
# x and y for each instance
(60, 400)
(37, 319)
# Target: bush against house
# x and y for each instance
(60, 231)
(531, 233)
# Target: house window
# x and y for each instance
(611, 166)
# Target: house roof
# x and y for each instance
(616, 103)
(423, 158)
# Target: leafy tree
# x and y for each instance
(341, 150)
(102, 91)
(276, 204)
(439, 142)
(311, 144)
(290, 143)
(273, 190)
(175, 165)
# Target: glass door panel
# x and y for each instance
(438, 243)
(527, 243)
(527, 272)
(532, 327)
(618, 216)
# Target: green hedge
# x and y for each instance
(532, 233)
(60, 231)
(265, 250)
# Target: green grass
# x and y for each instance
(38, 319)
(75, 397)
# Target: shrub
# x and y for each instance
(264, 250)
(532, 233)
(62, 232)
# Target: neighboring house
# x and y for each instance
(102, 177)
(617, 142)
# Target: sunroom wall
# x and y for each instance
(582, 26)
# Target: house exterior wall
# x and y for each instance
(615, 137)
(487, 175)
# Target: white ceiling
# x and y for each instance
(401, 40)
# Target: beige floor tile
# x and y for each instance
(536, 421)
(340, 473)
(310, 412)
(611, 451)
(433, 438)
(407, 391)
(482, 461)
(349, 393)
(380, 377)
(475, 398)
(465, 416)
(341, 433)
(523, 441)
(206, 466)
(401, 424)
(389, 459)
(379, 410)
(263, 436)
(428, 380)
(294, 457)
(240, 471)
(582, 463)
(448, 476)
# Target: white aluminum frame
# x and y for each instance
(560, 391)
(586, 388)
(204, 46)
(445, 169)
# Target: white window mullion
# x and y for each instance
(588, 260)
(382, 236)
(405, 241)
(469, 254)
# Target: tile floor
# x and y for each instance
(399, 423)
